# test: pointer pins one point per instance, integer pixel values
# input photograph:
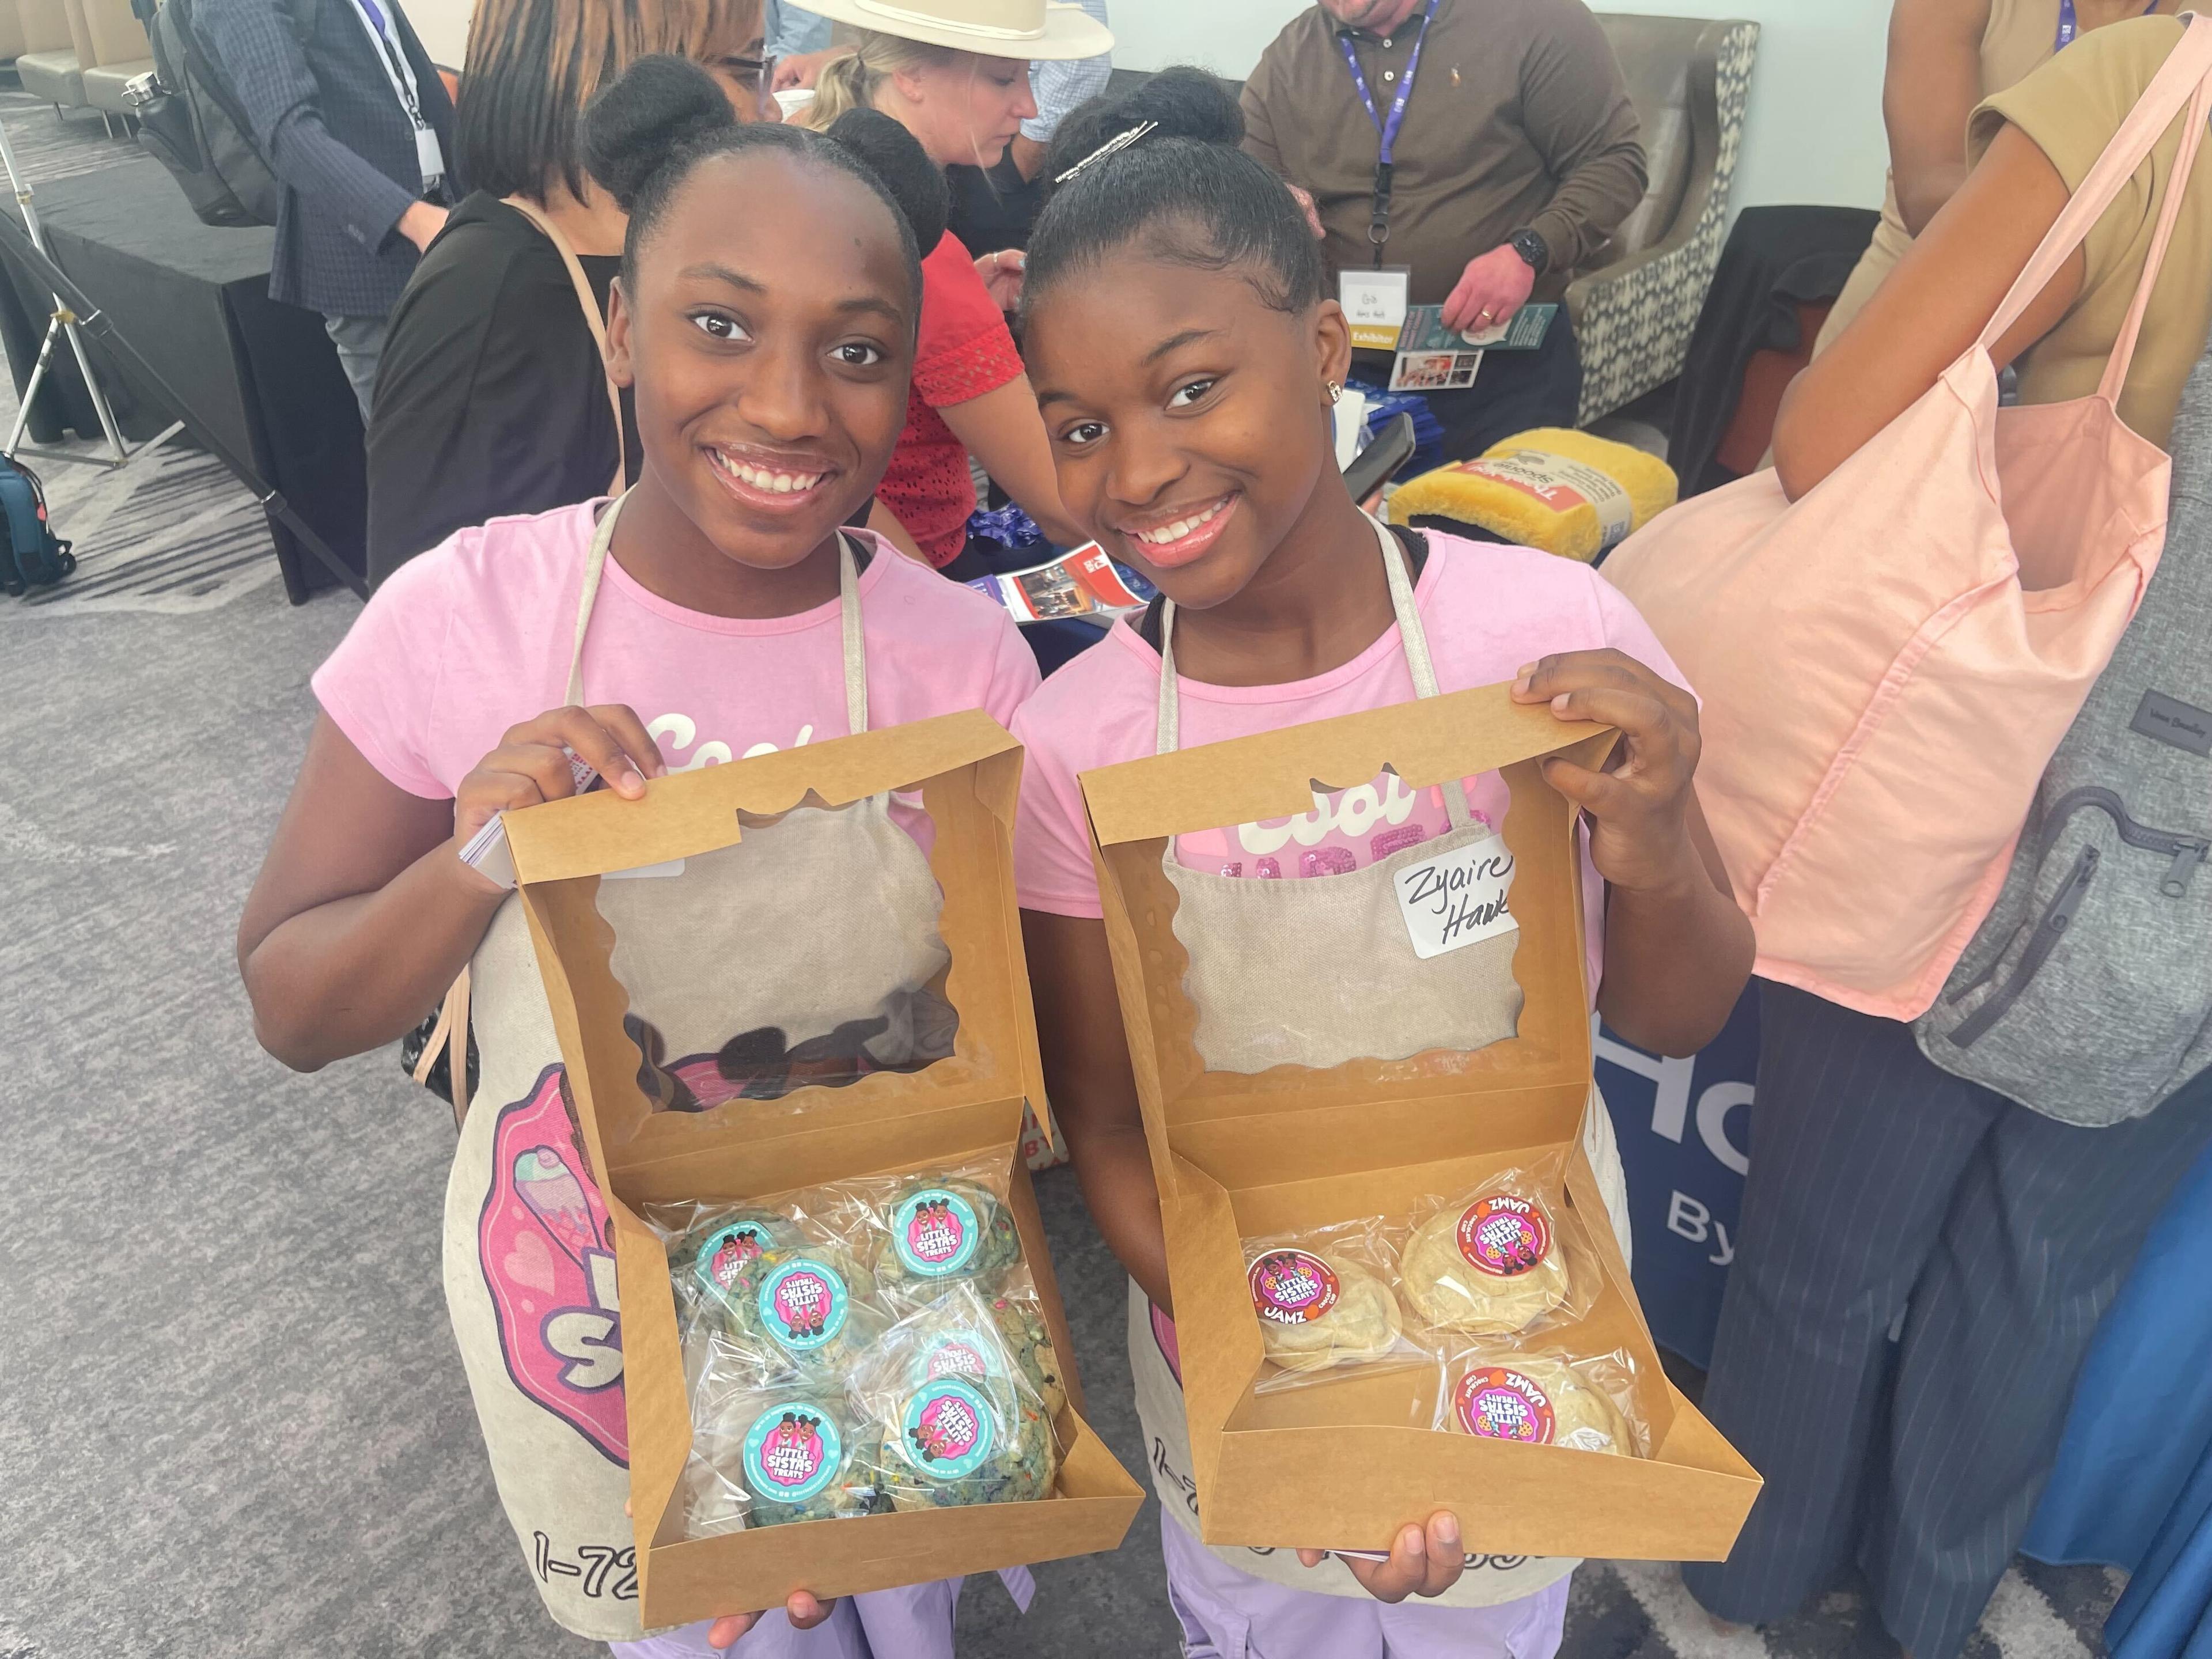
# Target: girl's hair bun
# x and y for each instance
(1182, 102)
(897, 157)
(659, 110)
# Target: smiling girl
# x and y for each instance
(764, 320)
(1185, 363)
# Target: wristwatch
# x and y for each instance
(1530, 247)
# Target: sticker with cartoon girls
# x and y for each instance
(1503, 1236)
(803, 1303)
(1499, 1403)
(547, 1257)
(791, 1452)
(948, 1429)
(934, 1232)
(1292, 1287)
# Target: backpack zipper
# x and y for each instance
(2048, 932)
(2187, 852)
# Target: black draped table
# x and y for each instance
(193, 300)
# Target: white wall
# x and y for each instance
(1813, 132)
(444, 26)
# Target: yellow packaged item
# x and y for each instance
(1565, 492)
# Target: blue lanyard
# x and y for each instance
(1378, 223)
(2069, 25)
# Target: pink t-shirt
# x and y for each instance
(1487, 609)
(474, 637)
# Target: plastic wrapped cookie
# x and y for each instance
(1494, 1260)
(964, 1334)
(723, 1253)
(1542, 1399)
(957, 1439)
(1319, 1307)
(808, 1312)
(939, 1231)
(1020, 1320)
(763, 1460)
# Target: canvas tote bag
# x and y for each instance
(1887, 665)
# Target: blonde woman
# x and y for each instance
(492, 398)
(954, 75)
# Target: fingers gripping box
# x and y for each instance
(1249, 1149)
(782, 971)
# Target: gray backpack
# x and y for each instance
(2087, 994)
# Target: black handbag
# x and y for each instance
(426, 1053)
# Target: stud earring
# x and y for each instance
(1335, 392)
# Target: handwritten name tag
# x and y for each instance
(1458, 898)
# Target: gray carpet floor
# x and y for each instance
(232, 1419)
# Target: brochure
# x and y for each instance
(1085, 582)
(1434, 358)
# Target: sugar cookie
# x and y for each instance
(1493, 1266)
(1536, 1399)
(1319, 1310)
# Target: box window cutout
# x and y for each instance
(823, 925)
(1377, 926)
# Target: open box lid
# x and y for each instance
(1291, 1123)
(967, 768)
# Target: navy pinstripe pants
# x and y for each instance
(1886, 1195)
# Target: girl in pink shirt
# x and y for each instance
(1185, 360)
(765, 319)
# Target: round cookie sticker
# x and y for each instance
(1500, 1404)
(963, 1353)
(1292, 1287)
(934, 1232)
(1503, 1235)
(802, 1303)
(791, 1452)
(723, 1259)
(947, 1430)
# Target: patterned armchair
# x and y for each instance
(1689, 77)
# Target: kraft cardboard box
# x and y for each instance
(967, 771)
(1345, 1464)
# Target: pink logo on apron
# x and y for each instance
(547, 1261)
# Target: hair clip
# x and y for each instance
(1119, 142)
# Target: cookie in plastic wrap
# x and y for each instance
(962, 1335)
(1320, 1307)
(1020, 1320)
(956, 1440)
(1494, 1261)
(811, 1314)
(1542, 1399)
(942, 1230)
(763, 1460)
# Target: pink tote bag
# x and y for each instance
(1887, 665)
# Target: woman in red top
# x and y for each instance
(963, 93)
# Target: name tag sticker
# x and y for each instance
(1374, 303)
(1458, 898)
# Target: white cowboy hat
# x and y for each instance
(996, 29)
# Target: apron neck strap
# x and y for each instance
(1412, 635)
(851, 640)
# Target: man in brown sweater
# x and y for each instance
(1514, 156)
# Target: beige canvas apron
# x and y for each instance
(832, 916)
(1340, 979)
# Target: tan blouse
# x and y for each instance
(2071, 107)
(2021, 36)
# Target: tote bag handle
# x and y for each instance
(2184, 77)
(592, 320)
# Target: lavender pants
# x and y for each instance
(1228, 1615)
(914, 1622)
